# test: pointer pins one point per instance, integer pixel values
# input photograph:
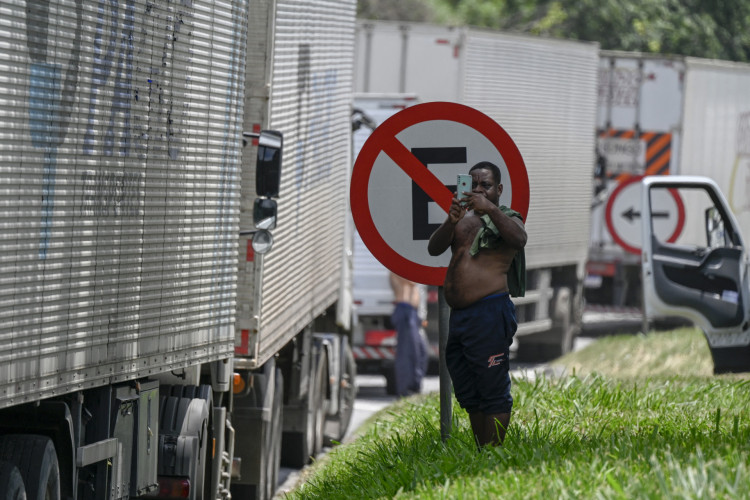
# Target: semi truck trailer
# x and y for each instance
(169, 286)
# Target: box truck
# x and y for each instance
(660, 115)
(292, 351)
(140, 356)
(543, 93)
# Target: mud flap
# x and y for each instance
(734, 359)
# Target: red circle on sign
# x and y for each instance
(384, 135)
(611, 225)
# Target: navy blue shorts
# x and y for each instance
(477, 353)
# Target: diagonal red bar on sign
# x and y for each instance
(415, 169)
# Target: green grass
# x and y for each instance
(683, 351)
(605, 433)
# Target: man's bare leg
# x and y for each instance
(494, 428)
(477, 426)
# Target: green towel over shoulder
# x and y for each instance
(489, 237)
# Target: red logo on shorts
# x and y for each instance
(496, 359)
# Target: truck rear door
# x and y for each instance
(702, 273)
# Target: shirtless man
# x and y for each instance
(411, 349)
(482, 320)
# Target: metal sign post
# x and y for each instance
(446, 388)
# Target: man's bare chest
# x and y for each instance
(468, 227)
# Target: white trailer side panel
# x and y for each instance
(716, 130)
(119, 153)
(310, 103)
(541, 92)
(421, 59)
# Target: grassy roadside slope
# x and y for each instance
(634, 417)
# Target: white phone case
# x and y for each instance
(464, 185)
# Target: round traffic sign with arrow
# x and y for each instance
(623, 214)
(405, 174)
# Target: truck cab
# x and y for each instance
(702, 275)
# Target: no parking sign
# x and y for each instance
(404, 177)
(623, 214)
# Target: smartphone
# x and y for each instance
(463, 185)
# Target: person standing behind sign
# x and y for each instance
(411, 348)
(487, 265)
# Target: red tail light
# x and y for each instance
(172, 487)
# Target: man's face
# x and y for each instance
(483, 183)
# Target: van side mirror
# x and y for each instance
(268, 166)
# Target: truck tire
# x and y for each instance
(299, 447)
(36, 460)
(545, 346)
(11, 482)
(564, 333)
(259, 417)
(347, 395)
(389, 372)
(185, 415)
(277, 412)
(321, 403)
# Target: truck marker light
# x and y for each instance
(238, 384)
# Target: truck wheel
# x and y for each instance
(546, 346)
(11, 483)
(185, 416)
(299, 447)
(347, 395)
(274, 456)
(389, 372)
(321, 404)
(36, 460)
(562, 343)
(258, 424)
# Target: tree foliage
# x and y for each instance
(717, 29)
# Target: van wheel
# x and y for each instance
(36, 460)
(11, 483)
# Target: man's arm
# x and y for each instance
(442, 238)
(511, 229)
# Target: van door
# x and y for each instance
(702, 273)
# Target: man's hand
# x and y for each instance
(477, 202)
(441, 239)
(457, 211)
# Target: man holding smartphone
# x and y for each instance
(487, 265)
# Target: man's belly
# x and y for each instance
(462, 291)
